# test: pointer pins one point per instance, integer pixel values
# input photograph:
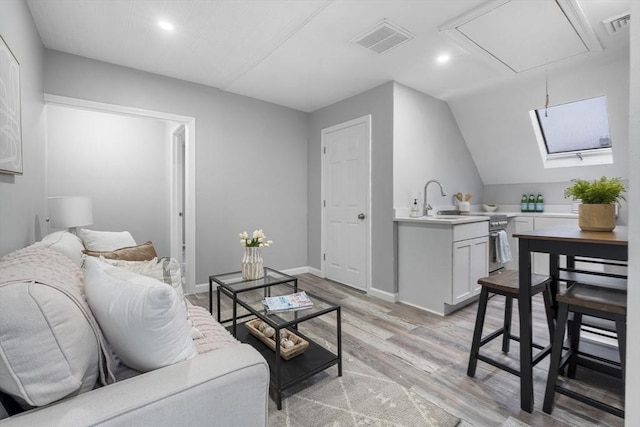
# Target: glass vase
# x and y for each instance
(252, 266)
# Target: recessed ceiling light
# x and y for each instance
(168, 26)
(443, 58)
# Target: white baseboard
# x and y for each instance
(383, 295)
(203, 287)
(296, 271)
(439, 313)
(315, 272)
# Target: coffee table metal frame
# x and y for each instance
(232, 284)
(284, 373)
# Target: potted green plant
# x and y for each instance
(597, 211)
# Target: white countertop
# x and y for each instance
(529, 214)
(443, 219)
(510, 211)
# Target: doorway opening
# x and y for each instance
(182, 227)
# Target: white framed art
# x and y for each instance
(10, 112)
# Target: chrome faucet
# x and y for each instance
(428, 207)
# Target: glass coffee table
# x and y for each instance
(232, 284)
(284, 373)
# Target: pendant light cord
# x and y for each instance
(546, 83)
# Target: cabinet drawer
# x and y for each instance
(523, 224)
(470, 231)
(539, 223)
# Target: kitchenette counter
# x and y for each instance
(443, 219)
(440, 259)
(510, 211)
(528, 214)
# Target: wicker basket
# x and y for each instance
(300, 345)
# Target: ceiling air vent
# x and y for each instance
(383, 37)
(617, 23)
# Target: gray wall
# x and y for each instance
(510, 194)
(427, 144)
(22, 197)
(553, 193)
(497, 127)
(632, 411)
(251, 157)
(414, 138)
(121, 162)
(379, 103)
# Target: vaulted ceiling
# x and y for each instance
(302, 53)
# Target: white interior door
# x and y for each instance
(178, 232)
(346, 202)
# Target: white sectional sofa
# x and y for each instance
(59, 367)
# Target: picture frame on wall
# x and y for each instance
(10, 112)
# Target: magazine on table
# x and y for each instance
(297, 301)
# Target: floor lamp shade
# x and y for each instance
(70, 212)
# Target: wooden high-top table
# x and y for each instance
(556, 241)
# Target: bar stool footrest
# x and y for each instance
(540, 355)
(493, 335)
(589, 401)
(499, 365)
(599, 364)
(499, 332)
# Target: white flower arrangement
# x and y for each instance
(257, 240)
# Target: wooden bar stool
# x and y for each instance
(507, 284)
(581, 299)
(597, 325)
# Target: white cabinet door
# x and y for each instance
(461, 271)
(479, 262)
(470, 262)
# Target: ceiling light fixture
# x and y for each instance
(167, 26)
(443, 58)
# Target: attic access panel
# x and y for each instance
(522, 35)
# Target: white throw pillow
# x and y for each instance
(68, 244)
(105, 240)
(142, 318)
(166, 270)
(48, 349)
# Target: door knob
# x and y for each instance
(361, 216)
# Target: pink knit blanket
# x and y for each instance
(214, 335)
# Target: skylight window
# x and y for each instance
(574, 134)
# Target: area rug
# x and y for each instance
(361, 397)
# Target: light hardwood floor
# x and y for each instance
(429, 354)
